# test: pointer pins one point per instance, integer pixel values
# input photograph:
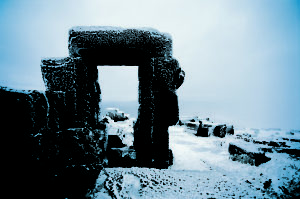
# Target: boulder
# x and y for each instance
(229, 130)
(220, 131)
(247, 155)
(116, 115)
(202, 132)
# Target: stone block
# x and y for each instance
(220, 130)
(202, 132)
(247, 156)
(118, 46)
(78, 80)
(229, 130)
(59, 74)
(121, 157)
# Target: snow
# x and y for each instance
(124, 129)
(202, 167)
(115, 29)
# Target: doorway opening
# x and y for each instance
(119, 89)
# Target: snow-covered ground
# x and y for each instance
(202, 168)
(211, 154)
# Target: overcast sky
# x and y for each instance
(239, 55)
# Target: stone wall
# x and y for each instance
(42, 158)
(73, 83)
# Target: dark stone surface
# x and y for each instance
(202, 132)
(229, 130)
(114, 141)
(74, 160)
(143, 127)
(130, 46)
(220, 131)
(247, 157)
(56, 164)
(59, 74)
(121, 157)
(73, 84)
(295, 153)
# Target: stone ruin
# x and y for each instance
(57, 139)
(73, 89)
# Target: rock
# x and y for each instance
(229, 130)
(277, 144)
(180, 123)
(220, 131)
(116, 115)
(202, 132)
(267, 184)
(75, 88)
(121, 157)
(294, 153)
(76, 157)
(114, 141)
(131, 46)
(63, 163)
(247, 156)
(23, 122)
(192, 125)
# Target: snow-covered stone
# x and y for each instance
(247, 155)
(116, 115)
(206, 128)
(128, 44)
(220, 130)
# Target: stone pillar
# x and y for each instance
(166, 111)
(144, 125)
(73, 92)
(58, 75)
(87, 95)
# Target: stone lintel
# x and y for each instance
(113, 42)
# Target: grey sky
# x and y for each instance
(241, 55)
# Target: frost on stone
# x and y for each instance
(122, 42)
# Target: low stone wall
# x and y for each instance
(41, 157)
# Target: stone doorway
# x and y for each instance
(73, 90)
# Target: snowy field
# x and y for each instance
(202, 167)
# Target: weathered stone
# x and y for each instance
(73, 158)
(130, 46)
(59, 74)
(294, 153)
(229, 130)
(76, 78)
(23, 120)
(114, 141)
(64, 163)
(192, 125)
(116, 115)
(253, 157)
(121, 157)
(202, 132)
(220, 131)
